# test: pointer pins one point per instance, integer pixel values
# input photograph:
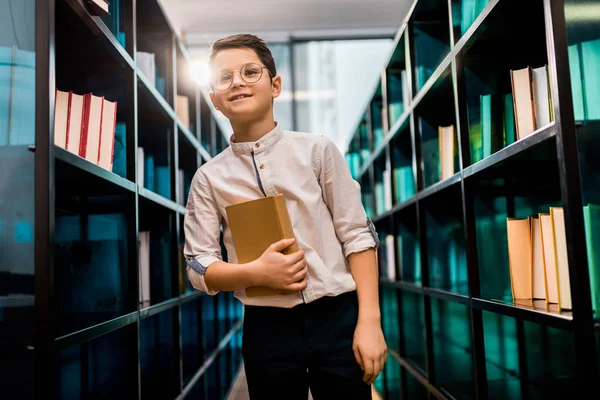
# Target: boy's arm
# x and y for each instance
(206, 269)
(342, 196)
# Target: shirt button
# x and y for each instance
(257, 145)
(262, 166)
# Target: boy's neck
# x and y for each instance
(253, 130)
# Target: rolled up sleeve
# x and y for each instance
(202, 232)
(342, 195)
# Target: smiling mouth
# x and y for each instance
(240, 97)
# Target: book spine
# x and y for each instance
(87, 103)
(100, 134)
(68, 120)
(285, 223)
(112, 149)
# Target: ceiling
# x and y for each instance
(201, 21)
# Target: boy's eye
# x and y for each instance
(225, 77)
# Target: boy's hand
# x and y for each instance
(279, 271)
(369, 348)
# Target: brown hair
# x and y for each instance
(245, 41)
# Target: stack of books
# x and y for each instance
(86, 125)
(531, 98)
(537, 251)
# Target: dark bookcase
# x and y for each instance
(72, 325)
(452, 326)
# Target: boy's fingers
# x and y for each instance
(358, 358)
(282, 244)
(301, 274)
(297, 286)
(376, 370)
(368, 368)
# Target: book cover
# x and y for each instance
(523, 101)
(255, 225)
(562, 261)
(549, 257)
(520, 257)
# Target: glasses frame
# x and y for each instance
(242, 76)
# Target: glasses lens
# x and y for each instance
(251, 72)
(222, 80)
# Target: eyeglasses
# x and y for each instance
(250, 73)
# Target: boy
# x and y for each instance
(324, 332)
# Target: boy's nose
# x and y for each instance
(237, 80)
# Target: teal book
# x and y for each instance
(163, 181)
(149, 172)
(486, 124)
(591, 216)
(509, 120)
(380, 197)
(590, 60)
(577, 92)
(120, 150)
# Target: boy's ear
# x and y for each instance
(276, 86)
(213, 99)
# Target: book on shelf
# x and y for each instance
(255, 225)
(146, 62)
(538, 258)
(531, 98)
(387, 185)
(85, 125)
(183, 110)
(591, 216)
(140, 166)
(447, 151)
(562, 261)
(508, 122)
(584, 63)
(144, 267)
(97, 7)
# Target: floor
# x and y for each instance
(239, 389)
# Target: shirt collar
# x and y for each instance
(260, 145)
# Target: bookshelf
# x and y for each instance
(72, 324)
(452, 325)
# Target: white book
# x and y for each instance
(107, 138)
(74, 126)
(391, 257)
(539, 273)
(387, 186)
(446, 151)
(140, 166)
(61, 117)
(523, 101)
(541, 96)
(144, 267)
(562, 261)
(549, 257)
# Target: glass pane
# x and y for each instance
(431, 32)
(325, 100)
(105, 367)
(389, 313)
(464, 13)
(91, 260)
(191, 339)
(409, 246)
(548, 355)
(446, 246)
(403, 180)
(158, 356)
(487, 74)
(453, 355)
(398, 88)
(17, 195)
(413, 329)
(583, 31)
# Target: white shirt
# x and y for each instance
(322, 198)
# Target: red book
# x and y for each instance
(91, 127)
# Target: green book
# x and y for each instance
(591, 216)
(590, 61)
(486, 124)
(509, 120)
(576, 81)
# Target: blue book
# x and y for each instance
(120, 150)
(163, 182)
(149, 172)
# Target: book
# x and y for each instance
(74, 126)
(106, 149)
(486, 124)
(591, 217)
(255, 225)
(144, 267)
(446, 135)
(140, 166)
(523, 101)
(62, 102)
(539, 269)
(183, 110)
(562, 261)
(541, 96)
(520, 257)
(549, 257)
(91, 127)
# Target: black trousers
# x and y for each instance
(286, 351)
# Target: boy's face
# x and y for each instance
(242, 101)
